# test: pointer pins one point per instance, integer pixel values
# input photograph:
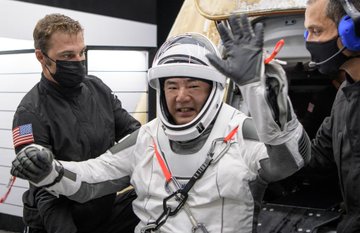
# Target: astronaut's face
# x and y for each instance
(185, 97)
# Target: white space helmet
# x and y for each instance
(184, 56)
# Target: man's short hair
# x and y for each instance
(334, 10)
(50, 24)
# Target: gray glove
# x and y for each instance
(37, 165)
(243, 51)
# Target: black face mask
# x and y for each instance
(321, 52)
(69, 74)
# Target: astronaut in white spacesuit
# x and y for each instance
(201, 165)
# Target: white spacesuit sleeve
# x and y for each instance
(277, 126)
(270, 107)
(108, 173)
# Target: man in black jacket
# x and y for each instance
(77, 117)
(333, 39)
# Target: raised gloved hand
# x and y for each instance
(243, 48)
(37, 165)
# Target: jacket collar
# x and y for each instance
(55, 89)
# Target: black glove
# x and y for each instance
(33, 164)
(243, 50)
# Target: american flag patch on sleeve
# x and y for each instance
(23, 134)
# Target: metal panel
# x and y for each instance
(216, 10)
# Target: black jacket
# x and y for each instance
(337, 144)
(76, 125)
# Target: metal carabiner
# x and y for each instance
(163, 218)
(223, 152)
(180, 197)
(176, 185)
(213, 145)
(148, 228)
(199, 228)
(152, 227)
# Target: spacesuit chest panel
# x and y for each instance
(185, 165)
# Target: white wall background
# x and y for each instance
(18, 20)
(19, 73)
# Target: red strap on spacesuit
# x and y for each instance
(231, 134)
(162, 164)
(9, 186)
(276, 50)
